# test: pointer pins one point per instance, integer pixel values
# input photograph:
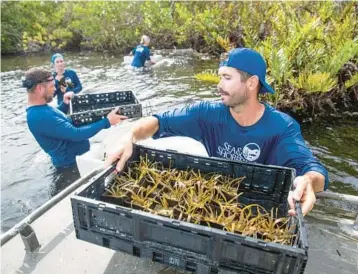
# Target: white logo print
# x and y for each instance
(68, 80)
(250, 152)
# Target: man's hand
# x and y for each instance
(115, 118)
(143, 129)
(122, 154)
(305, 188)
(68, 96)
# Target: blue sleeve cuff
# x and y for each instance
(157, 134)
(321, 170)
(107, 124)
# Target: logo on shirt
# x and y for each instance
(249, 153)
(68, 80)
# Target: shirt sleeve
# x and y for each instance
(62, 129)
(63, 107)
(291, 151)
(147, 54)
(77, 86)
(181, 122)
(57, 87)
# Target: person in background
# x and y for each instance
(142, 53)
(52, 129)
(66, 80)
(239, 128)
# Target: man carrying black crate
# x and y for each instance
(239, 128)
(52, 129)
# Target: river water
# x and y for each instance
(27, 176)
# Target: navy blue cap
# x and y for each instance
(251, 62)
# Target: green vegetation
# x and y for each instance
(311, 48)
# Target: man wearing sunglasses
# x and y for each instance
(52, 129)
(240, 127)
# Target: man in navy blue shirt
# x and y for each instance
(66, 80)
(52, 129)
(240, 127)
(142, 53)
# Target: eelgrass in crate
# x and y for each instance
(204, 199)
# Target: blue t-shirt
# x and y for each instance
(56, 135)
(141, 54)
(275, 139)
(71, 77)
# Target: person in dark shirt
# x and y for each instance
(142, 53)
(66, 80)
(52, 129)
(240, 127)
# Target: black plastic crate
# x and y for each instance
(188, 246)
(89, 108)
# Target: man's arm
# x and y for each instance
(62, 129)
(143, 129)
(179, 122)
(63, 107)
(291, 151)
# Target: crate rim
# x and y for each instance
(95, 93)
(102, 109)
(169, 151)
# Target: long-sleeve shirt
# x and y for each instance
(275, 139)
(56, 135)
(141, 54)
(70, 77)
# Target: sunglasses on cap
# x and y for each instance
(28, 83)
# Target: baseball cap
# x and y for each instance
(36, 76)
(251, 62)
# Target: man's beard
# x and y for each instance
(48, 99)
(238, 100)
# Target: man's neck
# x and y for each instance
(248, 114)
(32, 101)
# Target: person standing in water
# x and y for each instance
(66, 80)
(142, 53)
(52, 129)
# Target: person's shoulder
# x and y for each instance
(37, 114)
(280, 119)
(69, 72)
(209, 106)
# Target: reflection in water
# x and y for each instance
(336, 145)
(27, 176)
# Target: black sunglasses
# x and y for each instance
(30, 84)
